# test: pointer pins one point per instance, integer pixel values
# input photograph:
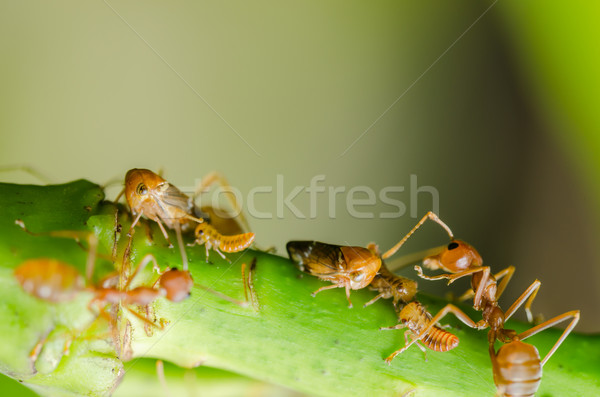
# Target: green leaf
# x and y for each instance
(313, 345)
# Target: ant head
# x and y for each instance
(138, 185)
(457, 256)
(177, 284)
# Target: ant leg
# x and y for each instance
(449, 308)
(145, 260)
(245, 281)
(429, 215)
(253, 296)
(181, 247)
(452, 277)
(77, 236)
(530, 293)
(28, 170)
(455, 276)
(215, 177)
(116, 236)
(91, 259)
(37, 349)
(223, 296)
(505, 275)
(121, 193)
(466, 295)
(574, 314)
(144, 319)
(407, 260)
(249, 285)
(160, 373)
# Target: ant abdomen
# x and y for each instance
(517, 369)
(49, 279)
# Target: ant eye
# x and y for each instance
(452, 245)
(141, 189)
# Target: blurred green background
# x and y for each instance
(491, 104)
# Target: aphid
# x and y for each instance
(209, 236)
(389, 285)
(149, 194)
(517, 366)
(347, 267)
(414, 317)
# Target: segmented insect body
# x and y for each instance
(517, 368)
(209, 236)
(517, 365)
(49, 279)
(55, 281)
(389, 285)
(414, 317)
(222, 221)
(149, 194)
(347, 267)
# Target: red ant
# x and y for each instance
(517, 366)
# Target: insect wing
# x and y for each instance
(316, 258)
(171, 196)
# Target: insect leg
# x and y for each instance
(348, 296)
(145, 260)
(160, 373)
(215, 177)
(574, 314)
(450, 308)
(144, 319)
(325, 288)
(223, 296)
(181, 246)
(429, 215)
(530, 293)
(505, 275)
(373, 300)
